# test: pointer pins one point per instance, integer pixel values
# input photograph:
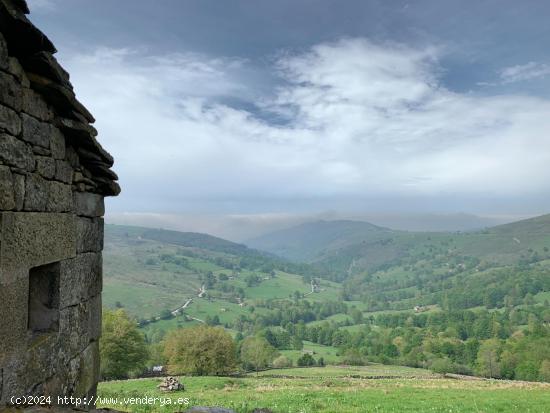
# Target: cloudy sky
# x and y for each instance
(270, 111)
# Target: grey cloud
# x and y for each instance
(364, 119)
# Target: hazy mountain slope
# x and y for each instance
(307, 242)
(148, 270)
(185, 239)
(347, 247)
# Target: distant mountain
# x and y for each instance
(309, 241)
(345, 247)
(149, 270)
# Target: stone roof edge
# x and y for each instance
(47, 77)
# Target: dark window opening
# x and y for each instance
(44, 298)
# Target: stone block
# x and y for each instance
(33, 104)
(3, 52)
(19, 191)
(35, 132)
(89, 371)
(89, 204)
(74, 328)
(45, 166)
(95, 317)
(34, 365)
(63, 171)
(16, 153)
(7, 197)
(40, 151)
(89, 234)
(78, 325)
(80, 278)
(13, 311)
(10, 92)
(36, 193)
(15, 68)
(10, 122)
(57, 143)
(31, 239)
(60, 197)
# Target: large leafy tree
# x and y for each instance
(256, 352)
(122, 347)
(200, 350)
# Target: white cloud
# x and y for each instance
(363, 119)
(528, 71)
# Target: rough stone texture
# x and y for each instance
(45, 166)
(13, 323)
(57, 143)
(64, 172)
(3, 52)
(19, 191)
(16, 153)
(54, 175)
(33, 239)
(10, 92)
(89, 234)
(60, 197)
(7, 197)
(35, 132)
(36, 193)
(33, 104)
(88, 204)
(15, 68)
(10, 122)
(81, 278)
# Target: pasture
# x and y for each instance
(332, 389)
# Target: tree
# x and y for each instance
(357, 316)
(544, 371)
(200, 350)
(508, 362)
(256, 352)
(487, 359)
(282, 362)
(297, 343)
(252, 280)
(122, 347)
(306, 360)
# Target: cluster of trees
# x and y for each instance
(199, 350)
(512, 344)
(452, 285)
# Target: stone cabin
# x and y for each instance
(54, 176)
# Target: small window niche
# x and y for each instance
(44, 299)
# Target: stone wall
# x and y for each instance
(53, 179)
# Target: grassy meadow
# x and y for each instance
(374, 388)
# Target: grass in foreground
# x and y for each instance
(338, 389)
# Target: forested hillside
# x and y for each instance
(473, 303)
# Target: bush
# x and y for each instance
(444, 365)
(200, 350)
(306, 360)
(282, 362)
(353, 357)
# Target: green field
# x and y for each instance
(139, 277)
(339, 389)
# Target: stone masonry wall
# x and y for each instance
(53, 178)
